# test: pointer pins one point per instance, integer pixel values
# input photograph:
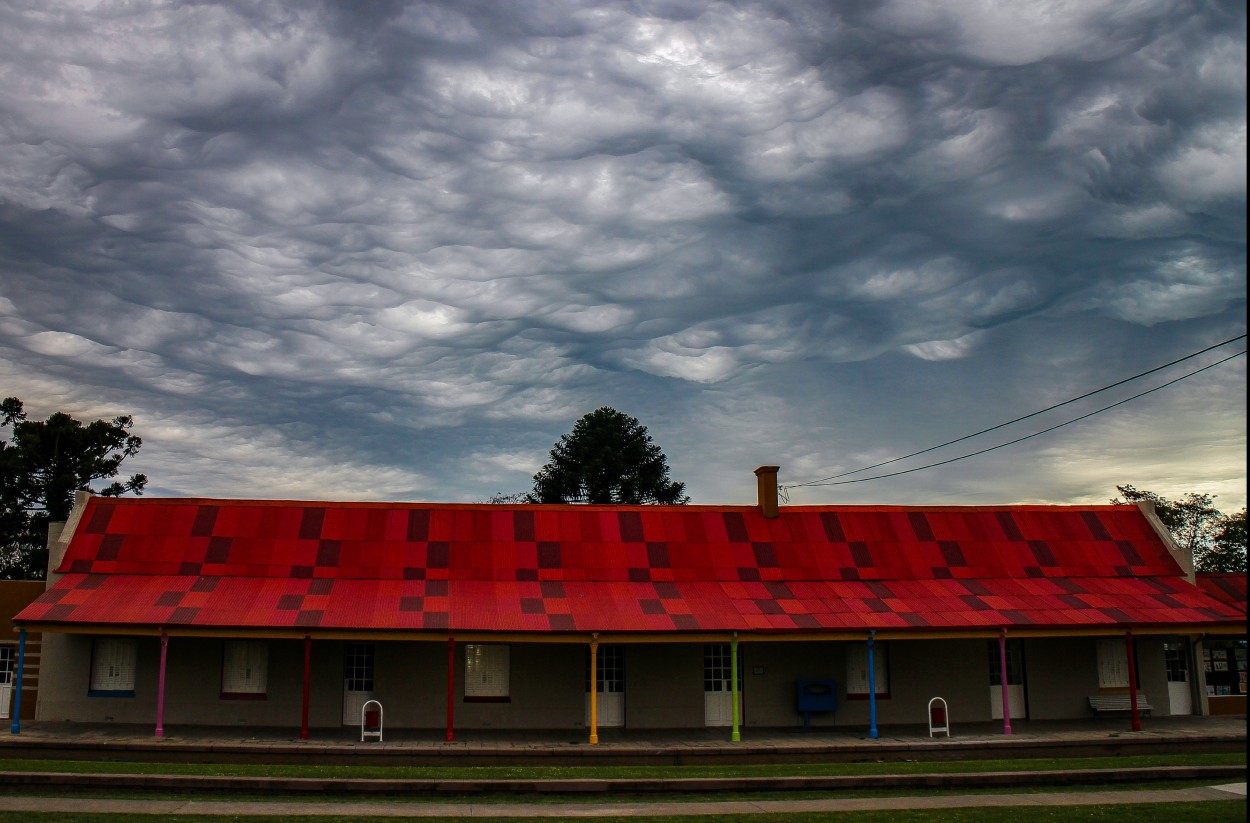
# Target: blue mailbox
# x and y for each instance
(816, 696)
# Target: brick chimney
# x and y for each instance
(766, 489)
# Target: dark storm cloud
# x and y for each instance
(394, 249)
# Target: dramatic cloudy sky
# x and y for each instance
(393, 250)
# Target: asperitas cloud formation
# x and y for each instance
(392, 250)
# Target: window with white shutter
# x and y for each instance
(857, 671)
(485, 673)
(112, 667)
(1112, 664)
(245, 670)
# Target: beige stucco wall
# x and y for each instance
(1060, 674)
(664, 684)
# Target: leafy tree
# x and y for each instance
(607, 458)
(1199, 527)
(41, 466)
(1228, 550)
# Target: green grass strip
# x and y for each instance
(1208, 812)
(608, 772)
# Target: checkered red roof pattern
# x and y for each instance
(547, 606)
(581, 568)
(1227, 587)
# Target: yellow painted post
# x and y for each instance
(594, 688)
(733, 685)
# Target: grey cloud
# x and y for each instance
(460, 225)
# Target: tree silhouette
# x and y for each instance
(42, 465)
(608, 457)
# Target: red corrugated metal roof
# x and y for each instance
(1227, 587)
(378, 567)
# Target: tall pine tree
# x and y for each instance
(608, 457)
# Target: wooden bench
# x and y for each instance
(1118, 703)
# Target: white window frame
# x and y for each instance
(245, 670)
(8, 663)
(486, 672)
(112, 667)
(609, 669)
(857, 670)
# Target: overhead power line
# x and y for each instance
(830, 481)
(973, 454)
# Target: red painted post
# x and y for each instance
(1002, 678)
(160, 688)
(1132, 680)
(451, 689)
(303, 724)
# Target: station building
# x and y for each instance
(460, 617)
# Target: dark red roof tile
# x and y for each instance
(1227, 587)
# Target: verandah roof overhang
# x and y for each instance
(786, 611)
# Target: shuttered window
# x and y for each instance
(485, 672)
(112, 667)
(1112, 664)
(245, 670)
(857, 670)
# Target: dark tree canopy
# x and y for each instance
(607, 458)
(41, 466)
(1228, 550)
(1217, 541)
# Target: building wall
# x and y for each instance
(67, 674)
(16, 595)
(1152, 675)
(770, 671)
(664, 684)
(1060, 675)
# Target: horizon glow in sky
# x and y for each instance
(393, 250)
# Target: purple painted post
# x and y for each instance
(1002, 678)
(160, 688)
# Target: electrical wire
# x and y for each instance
(823, 481)
(1018, 439)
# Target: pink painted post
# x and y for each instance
(451, 689)
(1002, 678)
(303, 725)
(160, 688)
(1132, 680)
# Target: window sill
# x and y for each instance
(485, 699)
(110, 693)
(243, 696)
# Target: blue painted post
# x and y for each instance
(872, 690)
(16, 728)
